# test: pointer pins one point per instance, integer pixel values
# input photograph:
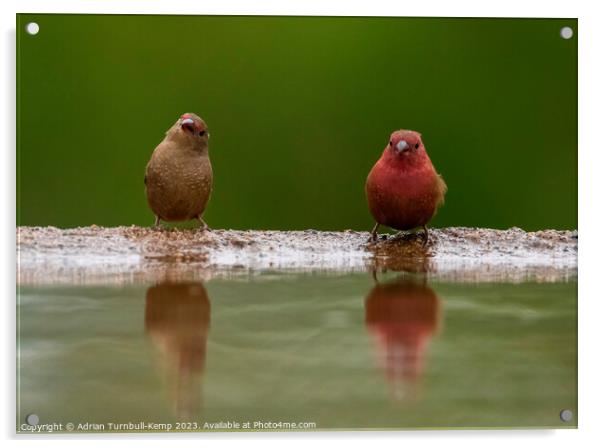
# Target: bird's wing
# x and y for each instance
(146, 172)
(442, 190)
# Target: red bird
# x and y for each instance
(403, 189)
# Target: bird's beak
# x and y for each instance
(188, 123)
(402, 146)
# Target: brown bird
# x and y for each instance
(403, 189)
(179, 178)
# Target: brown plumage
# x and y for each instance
(179, 178)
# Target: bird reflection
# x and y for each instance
(177, 319)
(403, 315)
(403, 252)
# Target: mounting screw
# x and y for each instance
(32, 28)
(566, 32)
(32, 419)
(566, 415)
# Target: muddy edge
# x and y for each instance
(126, 254)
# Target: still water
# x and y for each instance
(333, 351)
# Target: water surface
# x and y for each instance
(339, 351)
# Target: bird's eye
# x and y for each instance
(201, 133)
(416, 145)
(391, 142)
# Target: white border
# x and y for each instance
(590, 162)
(552, 8)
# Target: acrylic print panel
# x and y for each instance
(294, 319)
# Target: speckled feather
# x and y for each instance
(179, 177)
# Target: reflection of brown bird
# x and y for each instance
(177, 319)
(403, 315)
(178, 176)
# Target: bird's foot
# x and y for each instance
(204, 227)
(425, 237)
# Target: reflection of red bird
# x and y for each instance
(177, 319)
(403, 316)
(403, 189)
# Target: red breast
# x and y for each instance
(403, 189)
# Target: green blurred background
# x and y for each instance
(299, 109)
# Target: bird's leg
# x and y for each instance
(426, 236)
(374, 272)
(373, 234)
(157, 222)
(204, 225)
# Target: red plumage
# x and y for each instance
(403, 189)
